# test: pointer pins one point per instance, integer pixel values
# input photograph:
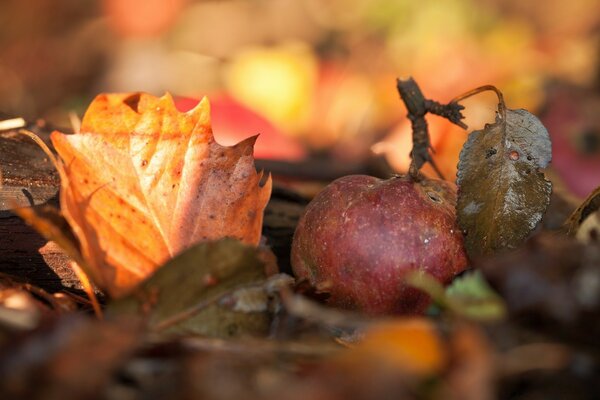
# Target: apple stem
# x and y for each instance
(418, 106)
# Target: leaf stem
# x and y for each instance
(481, 89)
(43, 146)
(88, 288)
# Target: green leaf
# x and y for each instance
(217, 289)
(472, 294)
(502, 191)
(468, 296)
(470, 285)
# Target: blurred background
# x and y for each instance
(317, 78)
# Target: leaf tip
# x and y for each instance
(202, 111)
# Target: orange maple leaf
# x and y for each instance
(142, 181)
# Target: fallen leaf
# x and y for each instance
(142, 181)
(229, 294)
(589, 229)
(584, 222)
(502, 192)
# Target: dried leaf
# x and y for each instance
(143, 181)
(585, 217)
(589, 229)
(502, 192)
(229, 293)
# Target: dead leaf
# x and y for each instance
(589, 229)
(143, 181)
(229, 293)
(502, 192)
(585, 219)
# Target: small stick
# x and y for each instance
(418, 106)
(75, 121)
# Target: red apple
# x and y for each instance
(361, 235)
(233, 122)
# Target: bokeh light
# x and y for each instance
(321, 74)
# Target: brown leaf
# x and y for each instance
(143, 181)
(228, 296)
(502, 192)
(585, 219)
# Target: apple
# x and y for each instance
(361, 235)
(233, 122)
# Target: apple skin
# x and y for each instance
(361, 235)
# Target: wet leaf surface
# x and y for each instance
(216, 289)
(502, 191)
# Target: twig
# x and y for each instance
(418, 106)
(257, 346)
(301, 307)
